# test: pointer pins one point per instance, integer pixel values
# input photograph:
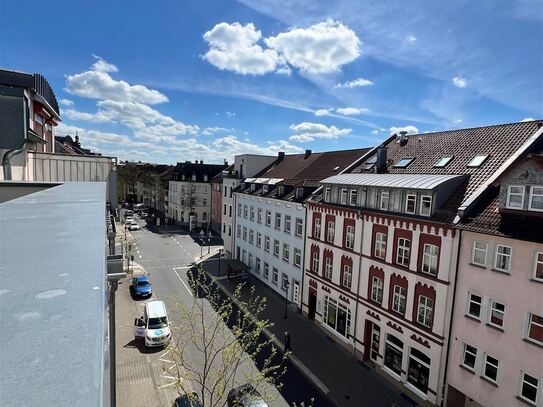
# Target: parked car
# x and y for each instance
(245, 396)
(188, 400)
(128, 214)
(128, 220)
(141, 286)
(153, 326)
(133, 226)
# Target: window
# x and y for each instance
(384, 202)
(244, 233)
(266, 272)
(230, 210)
(399, 299)
(529, 386)
(252, 213)
(490, 368)
(224, 212)
(394, 354)
(538, 266)
(257, 265)
(286, 252)
(327, 194)
(245, 211)
(411, 204)
(268, 218)
(503, 258)
(239, 230)
(258, 239)
(264, 189)
(429, 259)
(403, 163)
(478, 255)
(229, 230)
(244, 256)
(377, 289)
(425, 205)
(250, 260)
(425, 311)
(38, 128)
(299, 227)
(349, 237)
(442, 162)
(239, 209)
(477, 161)
(204, 216)
(497, 314)
(475, 303)
(288, 222)
(267, 243)
(331, 228)
(225, 190)
(347, 276)
(251, 236)
(535, 328)
(204, 201)
(277, 221)
(344, 197)
(337, 316)
(402, 257)
(380, 245)
(515, 197)
(224, 228)
(259, 215)
(352, 198)
(315, 262)
(469, 357)
(317, 231)
(275, 276)
(328, 268)
(284, 281)
(297, 257)
(536, 198)
(276, 248)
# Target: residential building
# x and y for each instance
(270, 223)
(496, 350)
(382, 248)
(189, 193)
(245, 165)
(29, 148)
(216, 199)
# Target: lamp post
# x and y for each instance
(129, 256)
(220, 261)
(286, 298)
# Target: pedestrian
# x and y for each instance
(287, 342)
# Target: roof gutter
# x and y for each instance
(468, 204)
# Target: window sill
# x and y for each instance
(489, 381)
(467, 369)
(497, 328)
(528, 403)
(501, 271)
(536, 280)
(472, 317)
(533, 342)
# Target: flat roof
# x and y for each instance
(53, 297)
(408, 181)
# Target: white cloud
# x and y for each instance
(208, 131)
(528, 119)
(307, 131)
(321, 48)
(101, 65)
(351, 111)
(96, 83)
(411, 39)
(375, 132)
(409, 129)
(66, 102)
(323, 112)
(233, 47)
(460, 82)
(354, 83)
(230, 114)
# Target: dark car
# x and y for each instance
(141, 286)
(245, 396)
(187, 400)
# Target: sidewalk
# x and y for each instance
(331, 367)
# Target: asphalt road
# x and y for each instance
(166, 257)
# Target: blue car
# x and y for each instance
(141, 286)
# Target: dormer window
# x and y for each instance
(426, 205)
(442, 162)
(205, 177)
(194, 177)
(344, 197)
(252, 187)
(403, 163)
(264, 189)
(327, 194)
(536, 198)
(370, 163)
(281, 190)
(299, 193)
(411, 204)
(383, 204)
(515, 197)
(477, 161)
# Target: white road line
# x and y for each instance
(140, 256)
(182, 282)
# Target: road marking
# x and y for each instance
(140, 256)
(182, 282)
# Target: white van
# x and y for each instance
(154, 325)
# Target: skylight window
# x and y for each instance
(442, 162)
(403, 163)
(335, 168)
(477, 161)
(370, 163)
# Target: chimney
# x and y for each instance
(201, 161)
(381, 163)
(195, 161)
(403, 138)
(225, 162)
(307, 153)
(280, 155)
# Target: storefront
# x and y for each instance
(418, 371)
(337, 316)
(394, 354)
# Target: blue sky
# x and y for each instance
(169, 81)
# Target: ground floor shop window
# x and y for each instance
(337, 316)
(419, 370)
(394, 354)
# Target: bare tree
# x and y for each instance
(188, 198)
(216, 342)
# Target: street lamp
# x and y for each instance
(129, 256)
(287, 284)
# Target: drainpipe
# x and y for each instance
(358, 285)
(300, 310)
(452, 315)
(6, 160)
